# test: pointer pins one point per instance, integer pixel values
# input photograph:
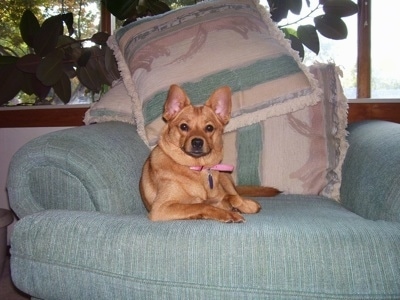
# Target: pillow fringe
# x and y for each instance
(130, 87)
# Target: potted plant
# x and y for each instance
(56, 58)
(328, 24)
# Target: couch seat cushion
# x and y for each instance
(297, 247)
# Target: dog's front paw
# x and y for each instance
(249, 207)
(233, 217)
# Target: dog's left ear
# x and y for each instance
(221, 103)
(176, 101)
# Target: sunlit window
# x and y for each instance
(385, 61)
(342, 52)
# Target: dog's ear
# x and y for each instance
(221, 103)
(176, 101)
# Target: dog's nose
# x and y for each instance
(197, 143)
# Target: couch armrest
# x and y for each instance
(93, 168)
(371, 170)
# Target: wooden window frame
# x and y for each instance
(56, 116)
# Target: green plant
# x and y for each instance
(131, 10)
(328, 24)
(55, 59)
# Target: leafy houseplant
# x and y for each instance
(55, 58)
(328, 24)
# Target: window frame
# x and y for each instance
(359, 109)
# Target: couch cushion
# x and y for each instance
(114, 105)
(204, 46)
(300, 152)
(285, 132)
(297, 247)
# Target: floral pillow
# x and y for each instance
(207, 45)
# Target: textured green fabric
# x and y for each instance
(297, 247)
(371, 171)
(94, 167)
(249, 145)
(84, 233)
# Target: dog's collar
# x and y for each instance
(219, 167)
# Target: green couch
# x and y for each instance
(84, 234)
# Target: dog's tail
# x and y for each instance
(257, 191)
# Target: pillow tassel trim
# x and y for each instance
(130, 87)
(281, 108)
(279, 36)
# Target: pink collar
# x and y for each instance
(219, 167)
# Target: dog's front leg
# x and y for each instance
(172, 210)
(246, 206)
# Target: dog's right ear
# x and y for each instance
(176, 101)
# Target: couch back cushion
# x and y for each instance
(287, 129)
(204, 46)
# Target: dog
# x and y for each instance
(183, 178)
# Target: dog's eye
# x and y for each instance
(209, 128)
(184, 127)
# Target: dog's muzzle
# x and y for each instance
(196, 148)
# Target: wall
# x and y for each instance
(11, 139)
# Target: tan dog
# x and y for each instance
(181, 177)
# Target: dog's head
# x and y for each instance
(193, 134)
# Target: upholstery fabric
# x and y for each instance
(297, 247)
(114, 105)
(104, 247)
(297, 122)
(207, 45)
(300, 152)
(70, 169)
(371, 175)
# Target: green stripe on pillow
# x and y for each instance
(239, 79)
(249, 145)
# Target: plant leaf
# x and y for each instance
(297, 45)
(157, 7)
(309, 37)
(50, 68)
(69, 22)
(111, 64)
(331, 27)
(7, 60)
(47, 37)
(84, 58)
(100, 38)
(29, 63)
(63, 88)
(279, 9)
(40, 89)
(121, 9)
(295, 6)
(340, 8)
(29, 26)
(11, 79)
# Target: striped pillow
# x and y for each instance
(300, 152)
(207, 45)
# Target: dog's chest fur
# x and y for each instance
(196, 183)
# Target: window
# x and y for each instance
(353, 57)
(385, 62)
(364, 77)
(86, 22)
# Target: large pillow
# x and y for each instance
(207, 45)
(114, 105)
(300, 152)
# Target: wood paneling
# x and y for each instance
(364, 50)
(374, 111)
(42, 117)
(54, 117)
